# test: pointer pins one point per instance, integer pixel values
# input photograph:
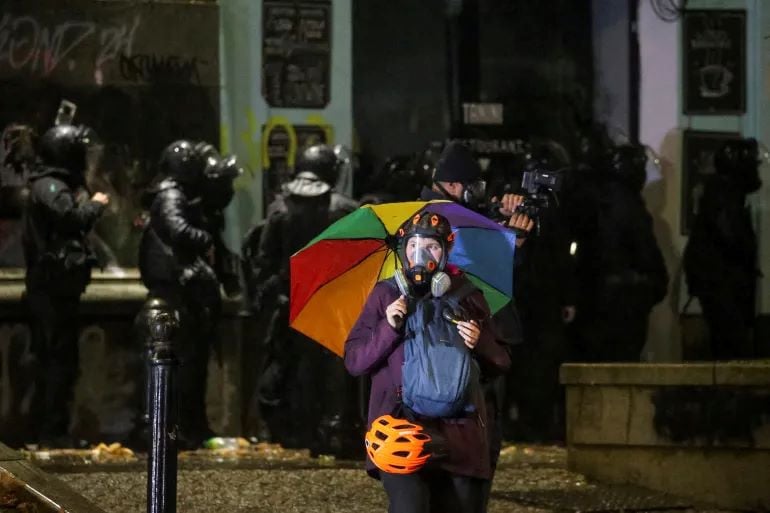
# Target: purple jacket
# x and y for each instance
(374, 347)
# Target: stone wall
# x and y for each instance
(696, 430)
(108, 391)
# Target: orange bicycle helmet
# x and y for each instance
(396, 445)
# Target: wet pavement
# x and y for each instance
(267, 479)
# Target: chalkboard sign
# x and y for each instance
(714, 45)
(296, 53)
(698, 150)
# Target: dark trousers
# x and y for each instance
(494, 394)
(298, 392)
(54, 327)
(433, 491)
(304, 393)
(533, 385)
(729, 327)
(193, 349)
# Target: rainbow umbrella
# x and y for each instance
(333, 275)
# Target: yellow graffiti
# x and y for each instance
(224, 139)
(272, 123)
(257, 144)
(249, 138)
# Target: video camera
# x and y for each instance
(539, 188)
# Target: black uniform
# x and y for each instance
(182, 260)
(620, 269)
(545, 281)
(720, 260)
(59, 261)
(174, 266)
(302, 385)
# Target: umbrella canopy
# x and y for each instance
(333, 275)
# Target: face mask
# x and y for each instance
(440, 284)
(473, 193)
(421, 257)
(422, 268)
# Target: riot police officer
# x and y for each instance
(720, 260)
(620, 269)
(59, 258)
(219, 176)
(175, 262)
(302, 385)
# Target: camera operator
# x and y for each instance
(457, 177)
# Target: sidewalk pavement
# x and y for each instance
(530, 479)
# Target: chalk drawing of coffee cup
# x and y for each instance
(714, 81)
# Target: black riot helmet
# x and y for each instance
(67, 147)
(738, 159)
(628, 163)
(184, 161)
(219, 175)
(320, 160)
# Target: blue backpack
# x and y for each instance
(439, 372)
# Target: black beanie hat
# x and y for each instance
(457, 164)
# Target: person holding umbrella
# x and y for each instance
(375, 347)
(457, 177)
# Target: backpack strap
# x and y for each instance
(455, 297)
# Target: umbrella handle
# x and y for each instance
(402, 283)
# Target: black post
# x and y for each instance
(142, 328)
(162, 461)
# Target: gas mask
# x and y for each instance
(423, 259)
(440, 283)
(473, 193)
(422, 267)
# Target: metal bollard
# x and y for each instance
(142, 327)
(162, 460)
